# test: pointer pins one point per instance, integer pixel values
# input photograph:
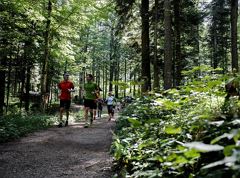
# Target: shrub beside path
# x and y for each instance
(71, 152)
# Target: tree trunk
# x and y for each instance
(2, 86)
(234, 48)
(117, 78)
(156, 79)
(178, 62)
(27, 99)
(167, 46)
(146, 75)
(8, 83)
(106, 80)
(46, 58)
(125, 75)
(111, 66)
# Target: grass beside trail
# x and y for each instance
(17, 125)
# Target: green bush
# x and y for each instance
(179, 133)
(16, 125)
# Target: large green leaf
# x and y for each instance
(173, 130)
(134, 122)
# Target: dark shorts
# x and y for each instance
(110, 109)
(65, 104)
(90, 104)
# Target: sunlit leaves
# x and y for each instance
(173, 130)
(177, 130)
(134, 122)
(203, 147)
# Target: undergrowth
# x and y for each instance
(189, 132)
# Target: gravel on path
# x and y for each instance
(67, 152)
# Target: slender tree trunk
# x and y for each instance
(106, 80)
(125, 75)
(167, 46)
(178, 62)
(8, 84)
(116, 79)
(27, 99)
(156, 70)
(111, 66)
(46, 57)
(234, 48)
(103, 81)
(3, 82)
(134, 86)
(146, 75)
(28, 74)
(23, 74)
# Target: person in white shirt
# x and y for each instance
(110, 100)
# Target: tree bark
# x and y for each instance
(46, 58)
(178, 62)
(146, 75)
(2, 86)
(111, 56)
(156, 69)
(234, 48)
(167, 46)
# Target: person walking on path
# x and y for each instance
(110, 100)
(66, 87)
(90, 99)
(100, 103)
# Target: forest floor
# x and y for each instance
(71, 152)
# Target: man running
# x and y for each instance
(66, 88)
(91, 89)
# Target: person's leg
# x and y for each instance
(91, 115)
(109, 112)
(61, 116)
(61, 110)
(68, 103)
(93, 107)
(94, 114)
(67, 115)
(100, 113)
(86, 109)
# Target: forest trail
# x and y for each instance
(68, 152)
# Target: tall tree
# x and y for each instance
(178, 62)
(234, 48)
(146, 73)
(219, 33)
(156, 72)
(111, 58)
(168, 53)
(46, 56)
(3, 81)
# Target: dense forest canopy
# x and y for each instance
(131, 47)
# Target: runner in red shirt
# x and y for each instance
(66, 88)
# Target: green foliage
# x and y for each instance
(16, 125)
(179, 133)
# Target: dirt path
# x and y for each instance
(69, 152)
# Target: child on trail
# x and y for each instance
(110, 104)
(66, 88)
